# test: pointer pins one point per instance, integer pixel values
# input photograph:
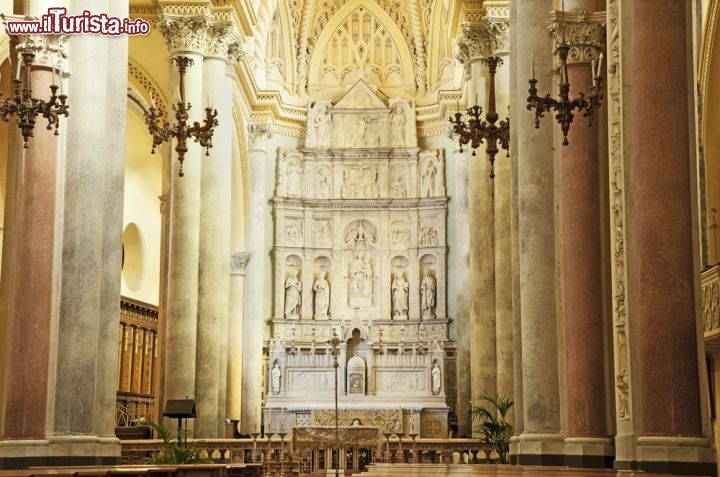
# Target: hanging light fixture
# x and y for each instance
(161, 130)
(565, 106)
(476, 130)
(25, 108)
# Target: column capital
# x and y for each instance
(50, 50)
(258, 132)
(238, 262)
(163, 199)
(185, 32)
(484, 36)
(582, 30)
(223, 42)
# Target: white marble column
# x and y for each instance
(461, 276)
(238, 264)
(540, 441)
(185, 36)
(255, 286)
(213, 274)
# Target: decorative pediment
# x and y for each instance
(360, 96)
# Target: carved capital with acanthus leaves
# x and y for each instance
(238, 262)
(483, 37)
(185, 33)
(584, 31)
(258, 132)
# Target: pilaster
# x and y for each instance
(656, 308)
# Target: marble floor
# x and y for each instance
(462, 470)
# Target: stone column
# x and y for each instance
(33, 246)
(214, 272)
(185, 36)
(581, 261)
(499, 21)
(89, 302)
(256, 288)
(461, 276)
(475, 43)
(653, 172)
(238, 264)
(540, 441)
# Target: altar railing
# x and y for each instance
(276, 452)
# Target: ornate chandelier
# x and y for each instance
(565, 106)
(26, 108)
(476, 130)
(161, 130)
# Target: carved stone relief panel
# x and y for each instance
(431, 169)
(360, 182)
(289, 178)
(322, 233)
(323, 182)
(399, 234)
(293, 232)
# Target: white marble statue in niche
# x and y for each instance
(428, 173)
(289, 173)
(321, 289)
(436, 378)
(427, 295)
(397, 127)
(320, 135)
(293, 296)
(360, 280)
(399, 291)
(275, 378)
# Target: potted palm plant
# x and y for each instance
(494, 429)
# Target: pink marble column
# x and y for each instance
(31, 295)
(660, 227)
(582, 285)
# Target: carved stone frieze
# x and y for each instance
(583, 31)
(711, 301)
(185, 32)
(617, 217)
(388, 420)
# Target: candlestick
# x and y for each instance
(532, 65)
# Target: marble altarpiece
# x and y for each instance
(360, 249)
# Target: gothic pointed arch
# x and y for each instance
(361, 40)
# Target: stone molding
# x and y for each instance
(583, 30)
(238, 262)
